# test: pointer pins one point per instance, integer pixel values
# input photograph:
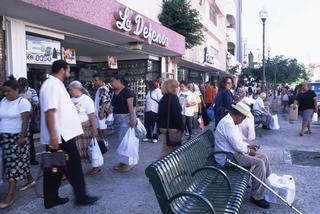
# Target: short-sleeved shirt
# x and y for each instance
(84, 105)
(258, 105)
(10, 114)
(120, 103)
(152, 100)
(198, 98)
(53, 95)
(305, 100)
(185, 98)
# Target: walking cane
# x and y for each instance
(265, 185)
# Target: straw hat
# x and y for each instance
(243, 109)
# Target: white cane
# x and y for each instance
(266, 186)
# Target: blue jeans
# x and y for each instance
(121, 125)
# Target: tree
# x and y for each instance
(180, 17)
(288, 71)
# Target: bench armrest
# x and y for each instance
(219, 171)
(192, 195)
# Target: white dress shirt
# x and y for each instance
(53, 95)
(228, 138)
(151, 98)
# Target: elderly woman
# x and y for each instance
(224, 99)
(169, 113)
(259, 107)
(85, 107)
(14, 122)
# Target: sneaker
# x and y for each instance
(186, 134)
(260, 203)
(146, 140)
(154, 141)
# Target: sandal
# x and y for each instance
(27, 186)
(6, 205)
(94, 171)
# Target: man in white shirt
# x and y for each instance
(187, 101)
(228, 139)
(60, 124)
(259, 107)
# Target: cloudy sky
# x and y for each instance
(292, 28)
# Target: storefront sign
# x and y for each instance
(208, 58)
(69, 55)
(42, 51)
(112, 62)
(136, 25)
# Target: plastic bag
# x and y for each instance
(274, 124)
(109, 120)
(128, 150)
(293, 114)
(140, 130)
(283, 185)
(201, 123)
(95, 153)
(315, 117)
(210, 113)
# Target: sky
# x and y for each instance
(292, 28)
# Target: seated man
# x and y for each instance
(259, 107)
(228, 139)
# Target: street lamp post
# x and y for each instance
(263, 16)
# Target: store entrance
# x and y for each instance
(37, 74)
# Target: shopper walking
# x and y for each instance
(169, 114)
(307, 102)
(60, 125)
(224, 99)
(187, 101)
(14, 122)
(197, 107)
(123, 113)
(30, 94)
(153, 98)
(210, 94)
(85, 108)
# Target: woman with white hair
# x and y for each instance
(259, 107)
(85, 107)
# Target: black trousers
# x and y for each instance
(150, 122)
(187, 123)
(32, 148)
(74, 174)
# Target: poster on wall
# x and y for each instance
(69, 55)
(42, 50)
(112, 62)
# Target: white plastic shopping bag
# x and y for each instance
(95, 153)
(293, 114)
(128, 150)
(274, 124)
(315, 117)
(140, 130)
(283, 185)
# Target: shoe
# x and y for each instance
(94, 170)
(88, 201)
(34, 162)
(4, 205)
(308, 132)
(154, 141)
(59, 201)
(126, 168)
(260, 203)
(187, 134)
(28, 186)
(146, 140)
(118, 166)
(301, 134)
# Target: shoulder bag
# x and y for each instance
(173, 136)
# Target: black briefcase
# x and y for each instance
(54, 162)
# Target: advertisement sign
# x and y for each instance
(208, 57)
(69, 55)
(42, 50)
(113, 62)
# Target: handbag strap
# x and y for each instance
(169, 108)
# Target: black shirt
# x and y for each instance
(175, 120)
(305, 100)
(119, 101)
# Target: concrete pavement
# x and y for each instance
(131, 192)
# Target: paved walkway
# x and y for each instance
(123, 193)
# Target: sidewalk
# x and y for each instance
(123, 193)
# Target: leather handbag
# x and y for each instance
(173, 136)
(54, 162)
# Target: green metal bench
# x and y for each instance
(188, 180)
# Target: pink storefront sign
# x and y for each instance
(106, 14)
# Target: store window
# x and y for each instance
(213, 15)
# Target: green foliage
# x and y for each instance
(180, 17)
(288, 71)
